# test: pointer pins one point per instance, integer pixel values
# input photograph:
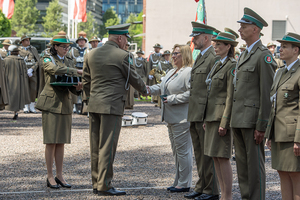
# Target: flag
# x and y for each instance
(200, 17)
(77, 10)
(7, 7)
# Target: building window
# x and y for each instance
(278, 29)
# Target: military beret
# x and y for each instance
(121, 29)
(251, 17)
(291, 38)
(199, 28)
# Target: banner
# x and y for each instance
(7, 7)
(77, 10)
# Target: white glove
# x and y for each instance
(150, 77)
(162, 78)
(29, 72)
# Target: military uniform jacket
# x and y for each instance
(220, 94)
(198, 90)
(33, 57)
(153, 62)
(254, 77)
(284, 121)
(106, 79)
(164, 66)
(4, 97)
(141, 68)
(78, 54)
(57, 99)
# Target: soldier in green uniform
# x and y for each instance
(94, 41)
(207, 184)
(271, 46)
(4, 50)
(251, 107)
(32, 63)
(141, 69)
(56, 106)
(4, 98)
(107, 74)
(283, 131)
(152, 64)
(17, 81)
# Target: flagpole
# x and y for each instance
(76, 23)
(69, 18)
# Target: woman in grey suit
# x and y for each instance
(175, 91)
(283, 130)
(218, 138)
(55, 102)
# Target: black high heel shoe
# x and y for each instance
(63, 185)
(52, 186)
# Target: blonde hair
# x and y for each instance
(186, 55)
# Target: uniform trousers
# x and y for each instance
(182, 148)
(104, 136)
(250, 163)
(207, 183)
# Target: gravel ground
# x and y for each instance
(143, 166)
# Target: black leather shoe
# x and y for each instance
(192, 195)
(52, 186)
(208, 197)
(15, 116)
(168, 188)
(95, 191)
(111, 192)
(62, 184)
(179, 190)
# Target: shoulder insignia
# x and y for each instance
(233, 72)
(130, 60)
(47, 60)
(268, 59)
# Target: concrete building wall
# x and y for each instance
(169, 21)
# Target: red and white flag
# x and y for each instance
(7, 7)
(78, 9)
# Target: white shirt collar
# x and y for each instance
(203, 52)
(223, 60)
(251, 46)
(62, 58)
(291, 65)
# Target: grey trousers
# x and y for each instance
(181, 144)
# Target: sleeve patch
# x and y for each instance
(233, 72)
(268, 59)
(47, 60)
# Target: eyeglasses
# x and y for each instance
(65, 48)
(175, 53)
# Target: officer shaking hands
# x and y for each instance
(108, 72)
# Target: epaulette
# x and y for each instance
(69, 56)
(263, 48)
(232, 59)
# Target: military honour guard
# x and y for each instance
(4, 50)
(272, 47)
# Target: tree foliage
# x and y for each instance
(53, 20)
(110, 18)
(5, 26)
(88, 26)
(25, 16)
(136, 29)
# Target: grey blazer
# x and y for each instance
(178, 90)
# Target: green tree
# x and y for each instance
(88, 26)
(25, 16)
(5, 26)
(136, 29)
(53, 20)
(110, 18)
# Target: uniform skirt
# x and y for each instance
(214, 144)
(283, 157)
(56, 128)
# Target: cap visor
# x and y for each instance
(195, 34)
(244, 22)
